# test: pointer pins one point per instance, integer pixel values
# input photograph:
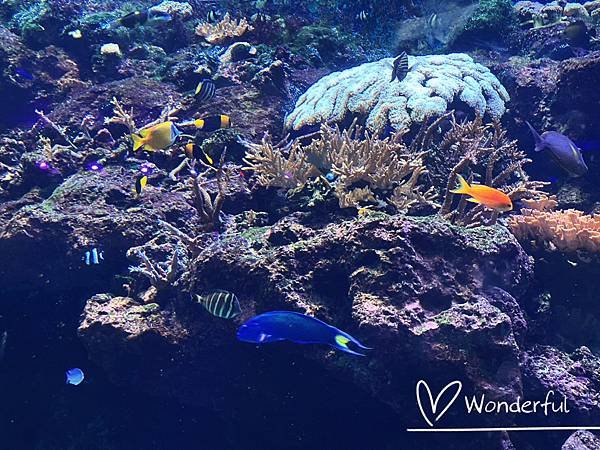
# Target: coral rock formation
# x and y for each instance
(223, 30)
(432, 83)
(567, 231)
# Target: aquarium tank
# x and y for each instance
(299, 225)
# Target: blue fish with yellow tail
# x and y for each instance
(295, 327)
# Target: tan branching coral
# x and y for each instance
(365, 168)
(224, 30)
(121, 116)
(483, 154)
(566, 231)
(283, 167)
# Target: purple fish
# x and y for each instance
(563, 150)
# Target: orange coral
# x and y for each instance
(224, 30)
(567, 231)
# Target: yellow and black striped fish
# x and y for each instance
(205, 90)
(221, 304)
(213, 123)
(192, 151)
(400, 69)
(140, 183)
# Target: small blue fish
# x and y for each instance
(24, 74)
(93, 257)
(299, 328)
(330, 176)
(74, 376)
(564, 151)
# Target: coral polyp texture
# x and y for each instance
(224, 30)
(566, 231)
(432, 84)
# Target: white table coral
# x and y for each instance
(431, 85)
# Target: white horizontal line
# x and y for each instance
(474, 430)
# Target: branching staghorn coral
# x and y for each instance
(566, 231)
(223, 30)
(121, 116)
(209, 208)
(363, 167)
(481, 153)
(161, 275)
(282, 166)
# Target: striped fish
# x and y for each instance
(205, 90)
(400, 68)
(221, 304)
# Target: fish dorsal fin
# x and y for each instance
(575, 150)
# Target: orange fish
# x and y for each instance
(488, 196)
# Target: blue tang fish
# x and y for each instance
(299, 328)
(74, 376)
(563, 150)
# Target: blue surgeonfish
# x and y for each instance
(299, 328)
(93, 257)
(74, 376)
(564, 151)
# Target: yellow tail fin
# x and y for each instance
(464, 187)
(138, 142)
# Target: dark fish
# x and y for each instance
(212, 16)
(192, 151)
(221, 304)
(578, 34)
(205, 90)
(362, 16)
(133, 19)
(140, 183)
(563, 150)
(213, 123)
(298, 328)
(400, 68)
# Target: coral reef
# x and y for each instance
(360, 167)
(565, 231)
(487, 156)
(224, 30)
(432, 83)
(350, 218)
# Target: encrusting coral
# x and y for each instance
(224, 30)
(363, 168)
(567, 231)
(432, 83)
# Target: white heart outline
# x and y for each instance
(437, 399)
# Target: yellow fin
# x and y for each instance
(138, 142)
(199, 123)
(464, 187)
(208, 158)
(341, 340)
(473, 200)
(145, 132)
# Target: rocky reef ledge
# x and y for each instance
(431, 298)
